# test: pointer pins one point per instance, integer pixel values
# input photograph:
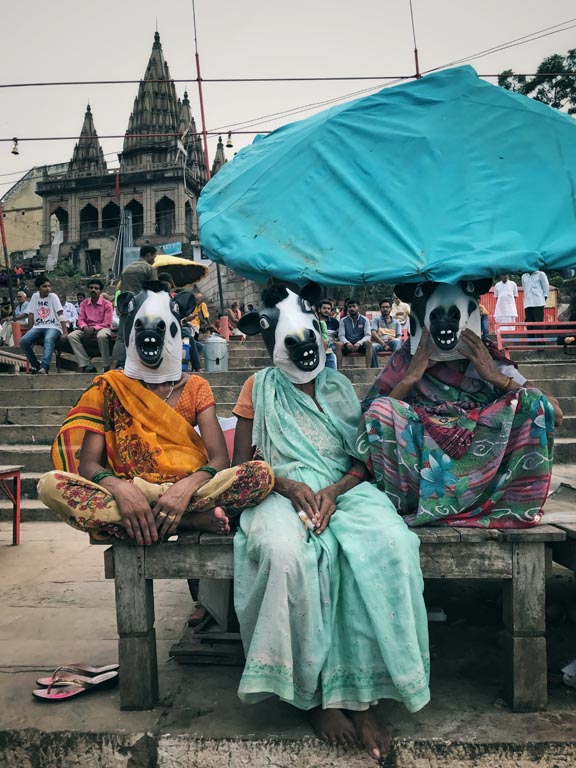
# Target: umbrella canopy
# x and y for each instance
(182, 271)
(443, 178)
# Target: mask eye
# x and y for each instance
(175, 308)
(305, 306)
(418, 293)
(264, 324)
(316, 325)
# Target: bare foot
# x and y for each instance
(374, 737)
(211, 520)
(333, 726)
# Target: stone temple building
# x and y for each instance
(150, 199)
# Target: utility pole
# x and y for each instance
(6, 257)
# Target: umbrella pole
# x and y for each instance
(205, 142)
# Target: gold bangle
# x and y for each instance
(507, 383)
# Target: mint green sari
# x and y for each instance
(336, 620)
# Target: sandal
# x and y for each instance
(70, 671)
(62, 689)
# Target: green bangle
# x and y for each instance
(97, 476)
(211, 471)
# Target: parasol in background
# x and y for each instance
(442, 178)
(182, 271)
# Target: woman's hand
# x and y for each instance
(173, 503)
(326, 501)
(421, 359)
(301, 496)
(419, 364)
(474, 349)
(137, 515)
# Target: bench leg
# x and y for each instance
(136, 633)
(525, 627)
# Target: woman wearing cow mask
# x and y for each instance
(452, 430)
(327, 580)
(128, 460)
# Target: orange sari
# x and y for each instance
(144, 436)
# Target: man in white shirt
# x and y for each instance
(536, 289)
(70, 312)
(46, 323)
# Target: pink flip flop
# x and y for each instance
(83, 670)
(63, 689)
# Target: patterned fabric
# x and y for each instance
(457, 452)
(89, 507)
(144, 436)
(336, 620)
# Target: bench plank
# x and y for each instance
(525, 625)
(481, 560)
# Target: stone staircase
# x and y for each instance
(33, 407)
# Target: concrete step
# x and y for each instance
(44, 434)
(34, 414)
(564, 450)
(31, 510)
(35, 458)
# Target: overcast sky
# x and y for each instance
(112, 39)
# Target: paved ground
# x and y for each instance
(57, 608)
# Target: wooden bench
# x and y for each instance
(525, 336)
(516, 557)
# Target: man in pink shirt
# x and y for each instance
(94, 321)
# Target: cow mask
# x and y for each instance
(445, 310)
(290, 330)
(152, 332)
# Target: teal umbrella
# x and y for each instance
(442, 178)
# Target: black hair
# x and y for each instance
(326, 301)
(352, 301)
(165, 277)
(40, 280)
(147, 250)
(96, 281)
(386, 300)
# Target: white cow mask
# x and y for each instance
(290, 330)
(152, 332)
(445, 310)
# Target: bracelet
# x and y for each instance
(356, 474)
(97, 476)
(507, 384)
(211, 471)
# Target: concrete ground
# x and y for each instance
(57, 608)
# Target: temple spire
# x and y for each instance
(219, 157)
(88, 158)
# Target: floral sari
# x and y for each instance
(456, 451)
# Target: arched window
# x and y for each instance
(88, 221)
(137, 211)
(165, 216)
(111, 216)
(59, 221)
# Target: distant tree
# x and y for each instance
(550, 85)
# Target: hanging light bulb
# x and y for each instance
(15, 150)
(229, 144)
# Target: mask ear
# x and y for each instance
(476, 287)
(405, 291)
(312, 293)
(124, 303)
(185, 302)
(250, 323)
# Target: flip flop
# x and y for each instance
(83, 670)
(61, 690)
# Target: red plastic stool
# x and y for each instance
(12, 473)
